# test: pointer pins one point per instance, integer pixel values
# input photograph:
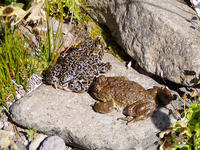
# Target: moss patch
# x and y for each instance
(97, 31)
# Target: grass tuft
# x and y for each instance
(16, 63)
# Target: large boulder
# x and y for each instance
(158, 34)
(70, 116)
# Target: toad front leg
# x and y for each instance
(138, 111)
(104, 107)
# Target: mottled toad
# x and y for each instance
(77, 68)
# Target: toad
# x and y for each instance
(137, 102)
(76, 69)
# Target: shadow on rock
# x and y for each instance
(160, 119)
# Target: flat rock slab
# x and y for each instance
(158, 34)
(70, 116)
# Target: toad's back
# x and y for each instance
(121, 91)
(137, 103)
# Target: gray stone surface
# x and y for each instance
(54, 143)
(158, 34)
(70, 116)
(7, 142)
(36, 141)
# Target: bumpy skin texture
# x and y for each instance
(77, 68)
(137, 102)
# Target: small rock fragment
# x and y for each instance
(54, 143)
(196, 6)
(36, 142)
(5, 141)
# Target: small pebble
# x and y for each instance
(54, 143)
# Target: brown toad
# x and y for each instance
(138, 103)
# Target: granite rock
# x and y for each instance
(159, 34)
(70, 116)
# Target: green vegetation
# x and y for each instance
(50, 54)
(14, 3)
(66, 8)
(18, 60)
(16, 64)
(186, 132)
(31, 133)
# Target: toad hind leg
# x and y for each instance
(138, 111)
